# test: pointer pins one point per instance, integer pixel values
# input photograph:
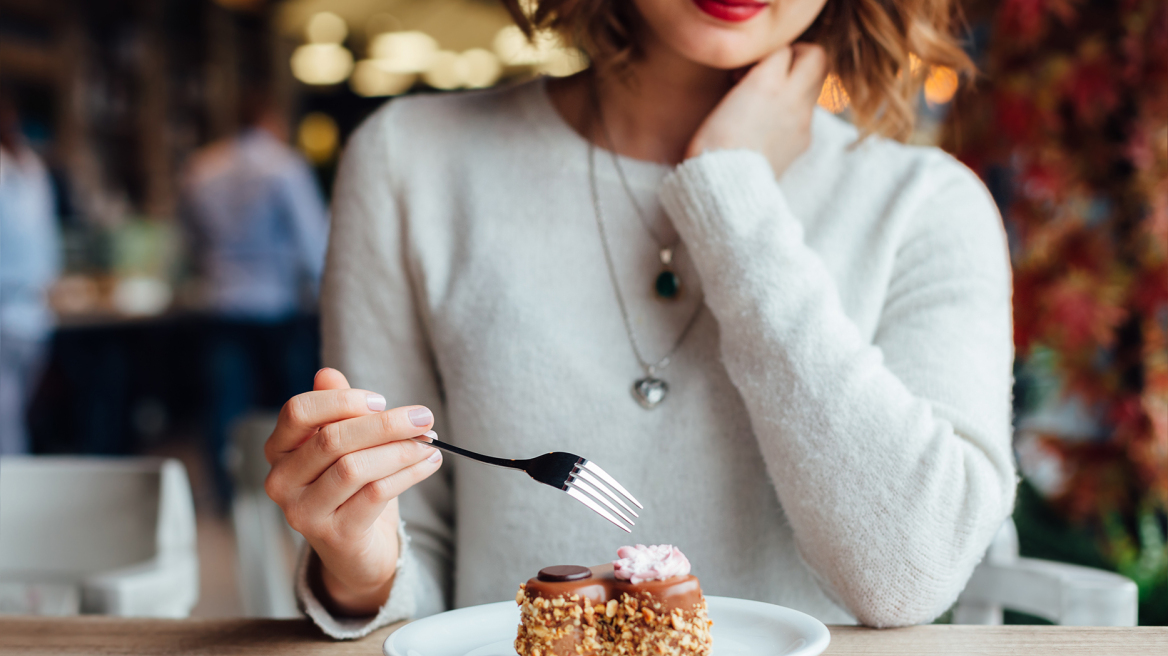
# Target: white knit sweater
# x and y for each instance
(837, 435)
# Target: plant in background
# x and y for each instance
(1068, 124)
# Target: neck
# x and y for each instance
(652, 112)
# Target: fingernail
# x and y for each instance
(431, 434)
(435, 457)
(376, 402)
(421, 417)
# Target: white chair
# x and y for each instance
(264, 541)
(97, 535)
(1061, 593)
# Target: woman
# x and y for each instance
(835, 432)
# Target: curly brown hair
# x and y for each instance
(879, 50)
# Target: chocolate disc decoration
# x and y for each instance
(560, 573)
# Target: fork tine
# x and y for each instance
(594, 468)
(582, 498)
(600, 486)
(599, 497)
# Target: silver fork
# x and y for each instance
(581, 478)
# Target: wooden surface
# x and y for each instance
(106, 636)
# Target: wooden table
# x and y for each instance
(106, 636)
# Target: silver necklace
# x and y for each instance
(667, 284)
(650, 390)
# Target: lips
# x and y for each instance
(734, 11)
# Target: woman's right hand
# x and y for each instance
(339, 460)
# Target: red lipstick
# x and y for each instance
(734, 11)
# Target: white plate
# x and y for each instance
(741, 628)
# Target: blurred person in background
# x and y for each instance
(29, 263)
(257, 227)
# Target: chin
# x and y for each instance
(727, 34)
(721, 51)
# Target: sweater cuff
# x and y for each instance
(721, 196)
(401, 604)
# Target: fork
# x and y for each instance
(581, 478)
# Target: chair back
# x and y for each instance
(1058, 592)
(119, 530)
(265, 544)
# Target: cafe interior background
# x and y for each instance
(1067, 123)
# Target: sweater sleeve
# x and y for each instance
(891, 459)
(374, 331)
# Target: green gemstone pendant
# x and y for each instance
(667, 285)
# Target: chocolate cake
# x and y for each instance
(645, 603)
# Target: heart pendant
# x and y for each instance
(650, 391)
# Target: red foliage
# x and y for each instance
(1074, 103)
(1091, 91)
(1017, 115)
(1027, 19)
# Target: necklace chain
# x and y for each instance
(620, 171)
(650, 368)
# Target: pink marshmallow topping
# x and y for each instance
(655, 563)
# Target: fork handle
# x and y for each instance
(490, 460)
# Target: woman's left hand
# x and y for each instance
(770, 109)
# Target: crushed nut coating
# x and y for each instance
(636, 625)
